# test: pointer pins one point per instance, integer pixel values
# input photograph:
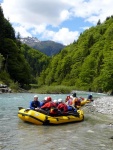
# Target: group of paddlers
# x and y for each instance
(55, 107)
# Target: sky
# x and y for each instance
(61, 21)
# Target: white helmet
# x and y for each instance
(36, 96)
(71, 96)
(45, 98)
(60, 100)
(55, 101)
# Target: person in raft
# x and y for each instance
(76, 101)
(43, 101)
(69, 100)
(90, 97)
(62, 106)
(50, 106)
(55, 102)
(35, 104)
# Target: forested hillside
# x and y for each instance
(19, 64)
(86, 64)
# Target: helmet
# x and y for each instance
(71, 97)
(49, 99)
(45, 98)
(90, 96)
(74, 95)
(55, 101)
(60, 100)
(36, 96)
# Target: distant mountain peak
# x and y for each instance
(48, 47)
(28, 40)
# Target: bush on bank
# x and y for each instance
(52, 89)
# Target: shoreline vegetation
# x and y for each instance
(57, 89)
(53, 89)
(34, 88)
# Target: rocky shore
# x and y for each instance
(4, 89)
(103, 105)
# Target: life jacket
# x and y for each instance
(47, 105)
(53, 110)
(70, 101)
(51, 107)
(76, 102)
(62, 107)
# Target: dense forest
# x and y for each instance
(86, 64)
(19, 64)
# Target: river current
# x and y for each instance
(94, 133)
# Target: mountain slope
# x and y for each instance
(86, 64)
(49, 48)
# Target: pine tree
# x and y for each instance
(2, 30)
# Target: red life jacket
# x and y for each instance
(48, 105)
(51, 107)
(63, 107)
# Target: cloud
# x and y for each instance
(32, 17)
(93, 10)
(36, 12)
(62, 36)
(23, 31)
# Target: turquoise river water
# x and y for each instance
(94, 133)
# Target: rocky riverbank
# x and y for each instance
(102, 105)
(4, 89)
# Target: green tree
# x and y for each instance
(99, 22)
(18, 40)
(15, 64)
(9, 30)
(87, 73)
(2, 30)
(106, 75)
(1, 61)
(37, 60)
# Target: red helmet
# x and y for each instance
(49, 99)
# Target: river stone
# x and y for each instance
(103, 105)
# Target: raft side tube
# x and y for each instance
(42, 119)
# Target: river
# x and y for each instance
(94, 133)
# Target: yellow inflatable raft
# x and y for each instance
(39, 118)
(85, 101)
